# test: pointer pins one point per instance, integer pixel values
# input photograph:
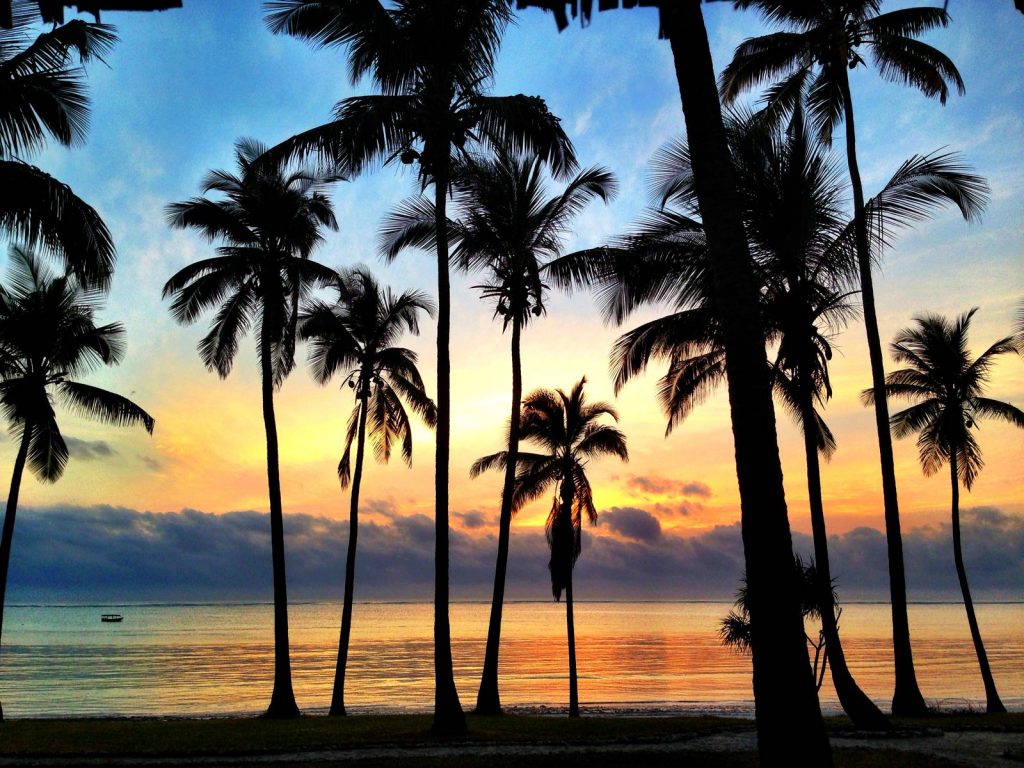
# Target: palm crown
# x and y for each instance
(566, 428)
(42, 95)
(822, 40)
(431, 61)
(268, 220)
(48, 339)
(947, 388)
(801, 242)
(356, 337)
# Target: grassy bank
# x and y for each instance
(594, 741)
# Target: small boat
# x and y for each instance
(111, 617)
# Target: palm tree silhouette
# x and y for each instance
(789, 722)
(567, 430)
(947, 389)
(791, 200)
(269, 221)
(48, 339)
(42, 95)
(355, 337)
(822, 43)
(431, 60)
(509, 230)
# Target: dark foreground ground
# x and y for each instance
(947, 741)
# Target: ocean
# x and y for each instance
(217, 659)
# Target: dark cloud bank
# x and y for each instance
(112, 554)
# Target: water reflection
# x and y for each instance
(201, 660)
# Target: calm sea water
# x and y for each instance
(217, 659)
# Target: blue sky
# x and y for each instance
(182, 85)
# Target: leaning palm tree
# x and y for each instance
(355, 338)
(42, 95)
(947, 388)
(822, 42)
(48, 339)
(431, 59)
(268, 221)
(566, 428)
(507, 229)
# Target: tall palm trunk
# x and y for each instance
(338, 695)
(570, 629)
(8, 533)
(282, 700)
(855, 702)
(488, 700)
(448, 716)
(906, 698)
(992, 701)
(790, 728)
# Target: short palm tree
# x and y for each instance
(822, 41)
(48, 339)
(431, 59)
(567, 429)
(355, 337)
(269, 221)
(42, 95)
(508, 230)
(947, 388)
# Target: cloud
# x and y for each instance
(632, 523)
(105, 553)
(472, 519)
(697, 489)
(88, 450)
(664, 486)
(154, 465)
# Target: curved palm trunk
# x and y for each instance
(862, 711)
(449, 719)
(992, 701)
(790, 729)
(488, 700)
(282, 700)
(906, 698)
(338, 695)
(8, 532)
(570, 629)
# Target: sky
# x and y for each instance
(181, 86)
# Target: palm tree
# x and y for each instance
(355, 337)
(42, 95)
(269, 221)
(431, 60)
(791, 201)
(789, 723)
(567, 430)
(509, 230)
(947, 389)
(822, 43)
(48, 339)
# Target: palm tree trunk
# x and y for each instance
(449, 719)
(906, 699)
(570, 628)
(789, 724)
(992, 701)
(8, 532)
(282, 700)
(862, 711)
(488, 700)
(338, 695)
